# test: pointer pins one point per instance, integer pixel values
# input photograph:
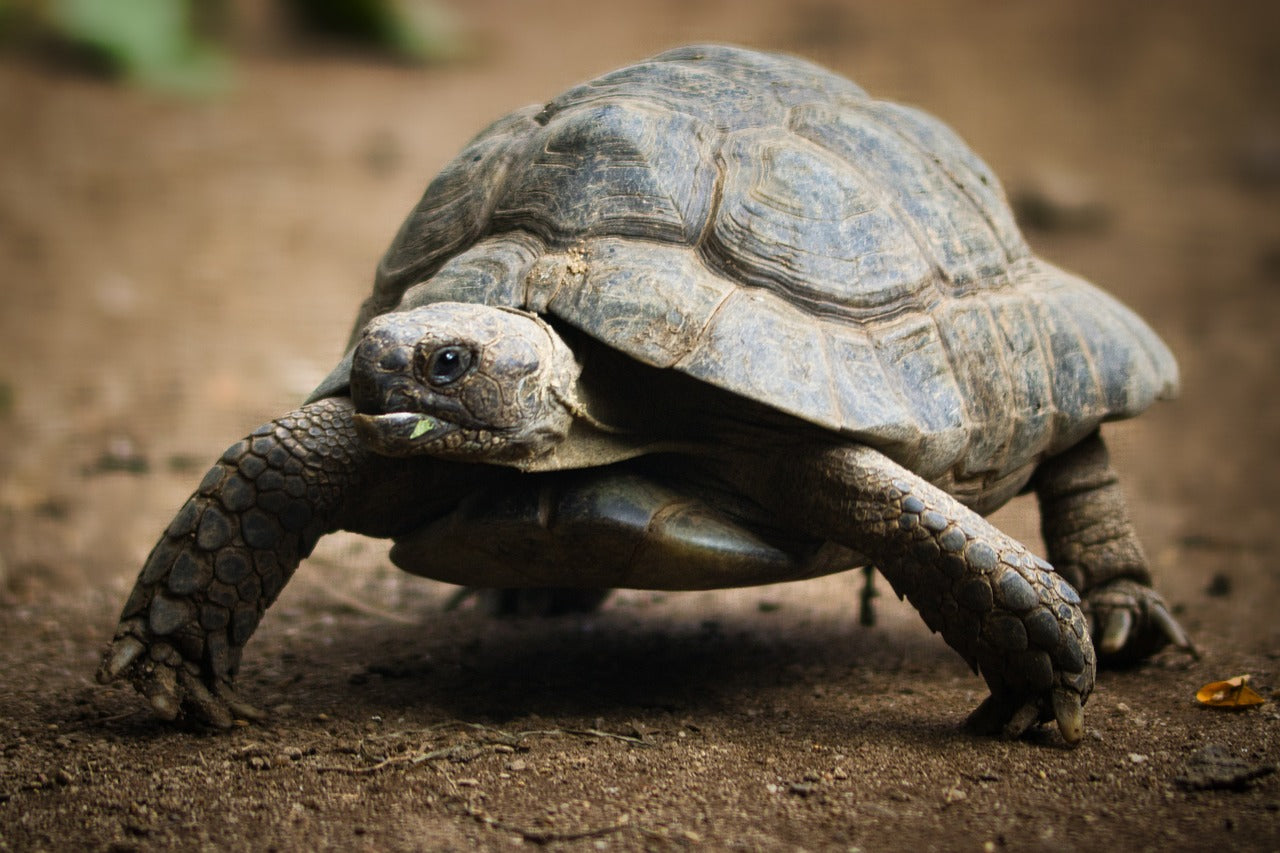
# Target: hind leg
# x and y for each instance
(1092, 543)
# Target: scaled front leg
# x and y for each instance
(1092, 542)
(225, 557)
(1005, 611)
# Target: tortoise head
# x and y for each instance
(462, 381)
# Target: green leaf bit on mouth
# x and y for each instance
(424, 425)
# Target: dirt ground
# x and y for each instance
(176, 272)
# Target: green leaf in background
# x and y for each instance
(178, 45)
(150, 41)
(425, 30)
(418, 30)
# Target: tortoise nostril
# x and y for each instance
(395, 360)
(401, 400)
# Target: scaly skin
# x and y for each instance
(226, 556)
(1092, 543)
(235, 543)
(1004, 610)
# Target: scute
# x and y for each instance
(934, 199)
(651, 301)
(454, 212)
(796, 219)
(787, 80)
(624, 168)
(491, 273)
(934, 140)
(922, 372)
(688, 89)
(985, 384)
(760, 224)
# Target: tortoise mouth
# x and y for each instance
(402, 433)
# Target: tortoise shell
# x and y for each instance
(762, 225)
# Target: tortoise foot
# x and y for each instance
(1130, 622)
(1010, 717)
(173, 685)
(224, 558)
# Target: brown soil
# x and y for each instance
(176, 272)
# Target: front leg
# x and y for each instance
(225, 557)
(1092, 542)
(1004, 610)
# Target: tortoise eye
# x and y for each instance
(447, 365)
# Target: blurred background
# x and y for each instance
(193, 196)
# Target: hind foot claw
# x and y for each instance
(1130, 622)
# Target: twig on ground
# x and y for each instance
(546, 836)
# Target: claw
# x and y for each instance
(1131, 622)
(165, 706)
(208, 707)
(160, 688)
(168, 688)
(1172, 630)
(242, 709)
(122, 653)
(1023, 718)
(162, 696)
(1116, 632)
(993, 717)
(1070, 715)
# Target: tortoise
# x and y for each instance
(715, 319)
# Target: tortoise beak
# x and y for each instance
(401, 433)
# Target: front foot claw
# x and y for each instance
(1130, 622)
(1010, 718)
(226, 555)
(1035, 654)
(172, 685)
(220, 707)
